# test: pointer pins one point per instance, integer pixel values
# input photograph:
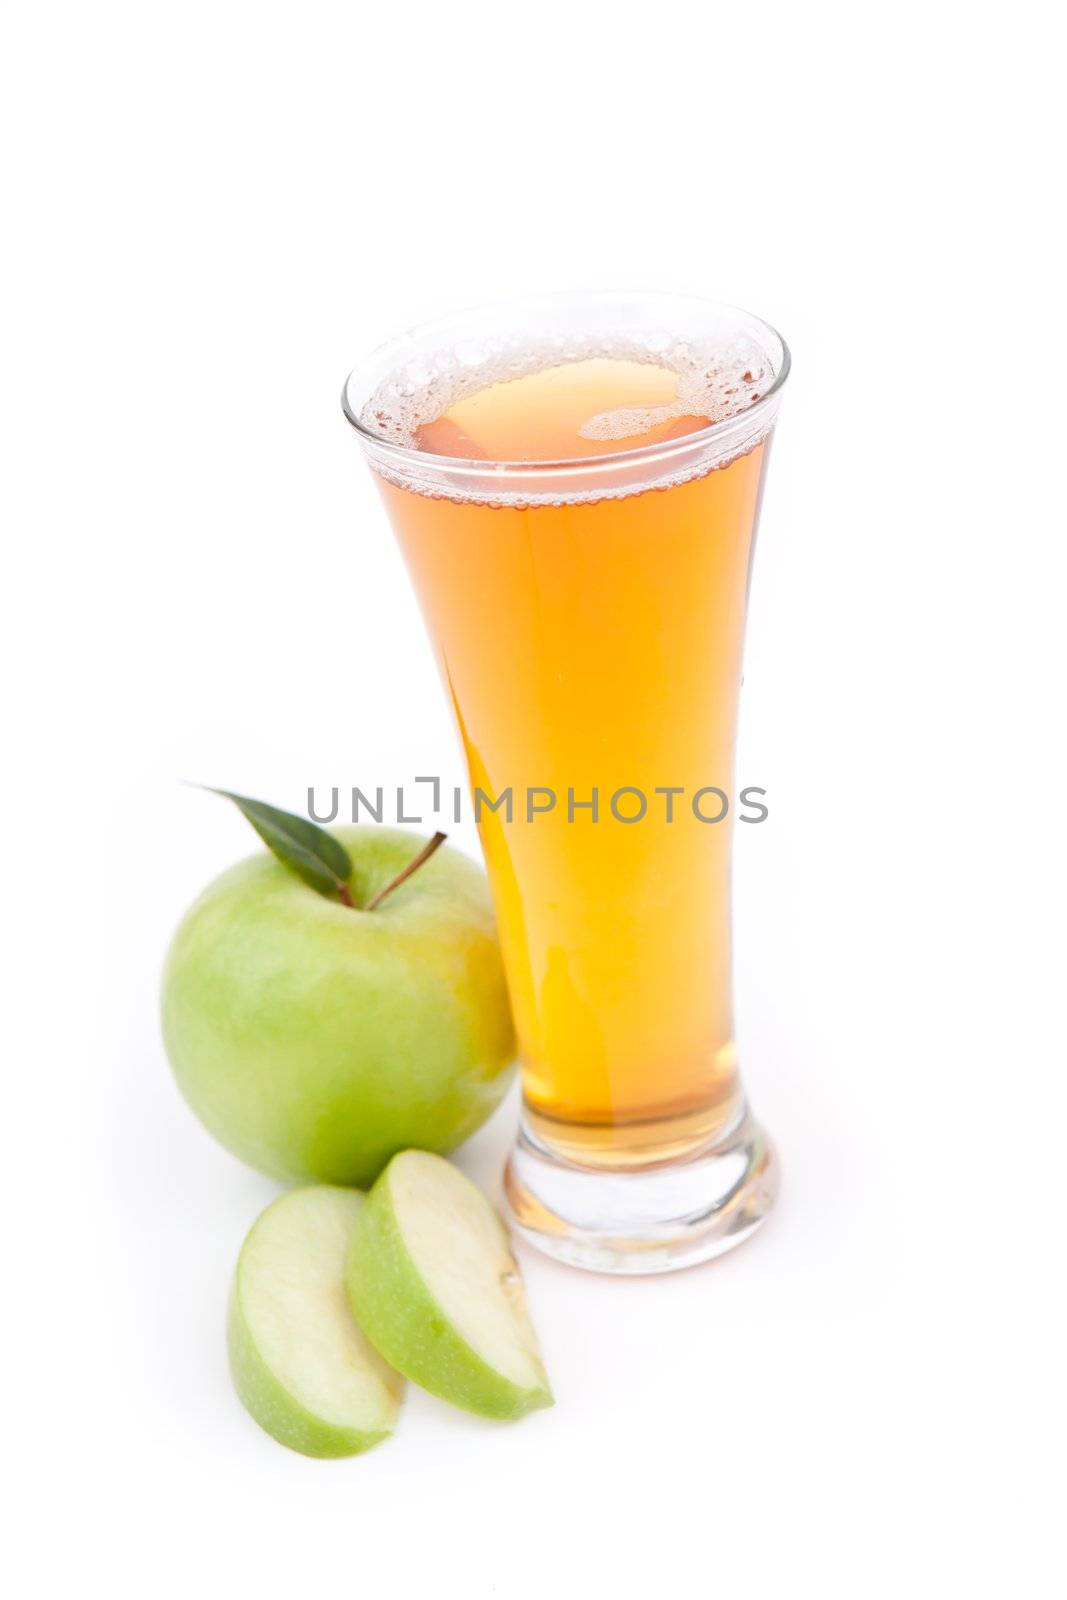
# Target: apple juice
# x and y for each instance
(591, 644)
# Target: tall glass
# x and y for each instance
(588, 615)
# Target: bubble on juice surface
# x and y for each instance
(715, 381)
(717, 378)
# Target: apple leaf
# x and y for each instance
(300, 844)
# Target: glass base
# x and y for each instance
(658, 1219)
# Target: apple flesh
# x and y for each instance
(433, 1283)
(315, 1039)
(300, 1363)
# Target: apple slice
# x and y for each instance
(436, 1289)
(300, 1363)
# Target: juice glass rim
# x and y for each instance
(390, 355)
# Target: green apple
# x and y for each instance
(300, 1363)
(433, 1283)
(315, 1038)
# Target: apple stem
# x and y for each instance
(345, 896)
(413, 866)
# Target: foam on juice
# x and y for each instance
(565, 400)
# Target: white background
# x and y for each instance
(211, 211)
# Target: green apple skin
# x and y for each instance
(261, 1391)
(405, 1323)
(270, 1404)
(315, 1040)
